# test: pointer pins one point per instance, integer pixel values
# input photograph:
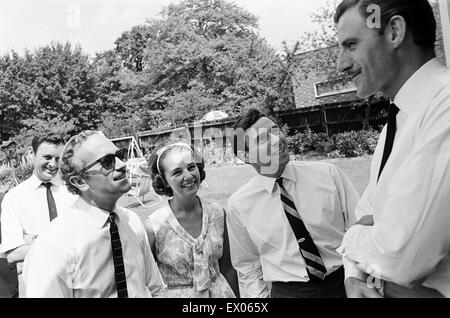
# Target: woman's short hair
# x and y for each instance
(159, 182)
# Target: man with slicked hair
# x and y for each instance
(285, 224)
(402, 238)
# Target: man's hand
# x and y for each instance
(366, 220)
(359, 289)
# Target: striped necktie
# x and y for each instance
(52, 212)
(119, 268)
(390, 135)
(314, 263)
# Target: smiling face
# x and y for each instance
(181, 172)
(365, 55)
(46, 160)
(266, 148)
(101, 184)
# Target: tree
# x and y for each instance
(130, 47)
(64, 85)
(52, 82)
(207, 52)
(13, 94)
(324, 44)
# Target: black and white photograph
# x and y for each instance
(240, 150)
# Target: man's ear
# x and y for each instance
(31, 152)
(79, 183)
(395, 31)
(31, 155)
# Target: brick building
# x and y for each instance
(312, 84)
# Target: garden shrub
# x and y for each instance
(356, 143)
(349, 144)
(346, 144)
(308, 140)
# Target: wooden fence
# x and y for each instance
(330, 119)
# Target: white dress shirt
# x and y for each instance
(25, 210)
(263, 246)
(73, 258)
(410, 240)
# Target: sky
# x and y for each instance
(96, 24)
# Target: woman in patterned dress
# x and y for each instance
(188, 236)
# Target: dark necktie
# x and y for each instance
(119, 268)
(390, 135)
(50, 201)
(314, 263)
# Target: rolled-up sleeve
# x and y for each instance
(348, 195)
(411, 235)
(245, 259)
(11, 228)
(349, 198)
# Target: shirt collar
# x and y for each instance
(35, 182)
(408, 95)
(97, 216)
(268, 183)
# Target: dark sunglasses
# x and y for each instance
(108, 162)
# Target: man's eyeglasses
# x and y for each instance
(108, 162)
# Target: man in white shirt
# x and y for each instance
(97, 249)
(286, 223)
(403, 237)
(28, 208)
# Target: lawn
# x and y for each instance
(222, 182)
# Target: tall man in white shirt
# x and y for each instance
(97, 249)
(403, 236)
(28, 208)
(286, 223)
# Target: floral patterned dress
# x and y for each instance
(189, 266)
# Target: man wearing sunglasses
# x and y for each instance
(99, 249)
(286, 223)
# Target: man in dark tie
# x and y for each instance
(286, 223)
(28, 208)
(97, 248)
(400, 245)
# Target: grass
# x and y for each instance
(223, 181)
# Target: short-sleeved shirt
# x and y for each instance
(9, 285)
(25, 210)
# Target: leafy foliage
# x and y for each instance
(346, 144)
(203, 55)
(54, 82)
